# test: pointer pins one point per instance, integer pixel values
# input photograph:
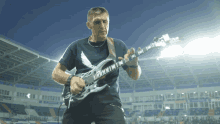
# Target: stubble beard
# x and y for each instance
(100, 37)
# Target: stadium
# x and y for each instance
(179, 82)
(173, 90)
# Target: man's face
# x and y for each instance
(99, 25)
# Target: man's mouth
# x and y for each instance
(102, 32)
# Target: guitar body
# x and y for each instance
(92, 85)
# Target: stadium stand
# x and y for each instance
(16, 108)
(31, 112)
(172, 112)
(5, 105)
(42, 111)
(60, 112)
(126, 110)
(2, 109)
(199, 111)
(151, 112)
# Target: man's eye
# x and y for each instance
(97, 22)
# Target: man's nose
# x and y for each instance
(102, 25)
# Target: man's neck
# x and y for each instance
(96, 39)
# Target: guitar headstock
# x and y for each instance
(159, 42)
(164, 40)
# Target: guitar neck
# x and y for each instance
(160, 42)
(120, 63)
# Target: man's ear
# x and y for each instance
(88, 25)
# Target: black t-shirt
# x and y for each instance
(84, 57)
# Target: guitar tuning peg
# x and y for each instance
(155, 39)
(166, 37)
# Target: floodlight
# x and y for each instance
(167, 107)
(203, 46)
(172, 51)
(28, 95)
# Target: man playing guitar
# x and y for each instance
(102, 107)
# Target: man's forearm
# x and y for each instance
(134, 73)
(60, 77)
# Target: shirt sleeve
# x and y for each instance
(124, 51)
(68, 58)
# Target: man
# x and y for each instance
(103, 107)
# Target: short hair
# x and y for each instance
(96, 11)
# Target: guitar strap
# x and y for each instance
(111, 48)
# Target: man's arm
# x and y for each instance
(66, 62)
(59, 74)
(134, 73)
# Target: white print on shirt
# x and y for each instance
(86, 61)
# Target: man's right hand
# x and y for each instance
(76, 85)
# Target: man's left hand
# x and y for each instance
(133, 62)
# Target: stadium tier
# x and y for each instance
(151, 112)
(14, 108)
(199, 111)
(45, 111)
(172, 112)
(2, 109)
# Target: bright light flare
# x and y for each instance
(203, 46)
(167, 107)
(171, 51)
(28, 95)
(200, 46)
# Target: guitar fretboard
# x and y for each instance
(109, 69)
(118, 64)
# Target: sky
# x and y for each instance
(50, 26)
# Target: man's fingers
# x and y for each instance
(126, 56)
(139, 48)
(128, 52)
(81, 83)
(132, 50)
(120, 58)
(75, 88)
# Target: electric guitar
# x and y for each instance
(93, 76)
